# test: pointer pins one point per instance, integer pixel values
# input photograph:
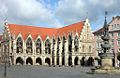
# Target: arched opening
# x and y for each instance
(47, 47)
(63, 61)
(113, 61)
(38, 47)
(53, 52)
(29, 46)
(29, 61)
(76, 43)
(47, 61)
(70, 61)
(58, 50)
(90, 61)
(63, 50)
(39, 61)
(19, 61)
(19, 45)
(76, 61)
(82, 61)
(90, 48)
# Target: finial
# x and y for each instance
(5, 22)
(105, 23)
(106, 14)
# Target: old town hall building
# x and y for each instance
(30, 45)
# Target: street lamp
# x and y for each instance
(5, 44)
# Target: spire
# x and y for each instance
(105, 22)
(5, 22)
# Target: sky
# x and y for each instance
(57, 13)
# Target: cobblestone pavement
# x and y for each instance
(51, 72)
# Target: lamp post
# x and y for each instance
(5, 44)
(5, 61)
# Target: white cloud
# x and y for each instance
(75, 10)
(29, 12)
(37, 12)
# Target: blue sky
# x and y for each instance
(57, 13)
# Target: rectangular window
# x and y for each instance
(112, 42)
(112, 34)
(118, 42)
(119, 34)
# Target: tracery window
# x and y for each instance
(70, 43)
(38, 47)
(19, 45)
(58, 50)
(76, 43)
(83, 48)
(29, 46)
(89, 48)
(47, 47)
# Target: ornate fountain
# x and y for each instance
(106, 55)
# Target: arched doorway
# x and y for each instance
(70, 61)
(76, 61)
(39, 61)
(82, 61)
(90, 61)
(63, 61)
(19, 61)
(29, 61)
(47, 60)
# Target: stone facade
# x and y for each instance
(76, 47)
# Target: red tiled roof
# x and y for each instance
(43, 32)
(98, 32)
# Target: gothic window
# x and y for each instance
(29, 46)
(89, 48)
(38, 47)
(70, 43)
(119, 34)
(47, 47)
(53, 49)
(19, 45)
(58, 49)
(63, 50)
(76, 42)
(83, 48)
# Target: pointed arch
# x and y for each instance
(76, 44)
(29, 45)
(19, 45)
(83, 48)
(39, 61)
(47, 60)
(29, 61)
(38, 46)
(63, 50)
(53, 51)
(90, 48)
(70, 61)
(19, 61)
(76, 60)
(47, 47)
(83, 62)
(58, 49)
(70, 43)
(90, 61)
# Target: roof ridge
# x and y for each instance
(35, 30)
